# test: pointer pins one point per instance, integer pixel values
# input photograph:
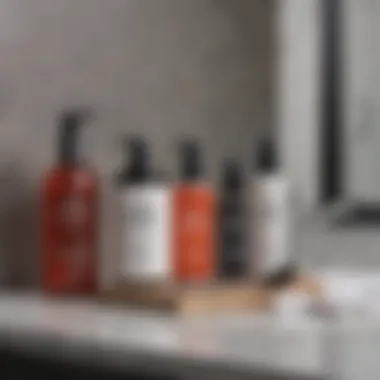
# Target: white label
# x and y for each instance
(146, 233)
(271, 224)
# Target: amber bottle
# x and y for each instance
(193, 220)
(69, 217)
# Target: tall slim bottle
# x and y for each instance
(70, 217)
(233, 245)
(146, 206)
(193, 220)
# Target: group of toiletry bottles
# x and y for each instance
(169, 231)
(184, 232)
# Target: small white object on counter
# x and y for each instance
(352, 294)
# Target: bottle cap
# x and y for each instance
(232, 176)
(137, 156)
(190, 162)
(70, 123)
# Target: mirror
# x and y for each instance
(350, 141)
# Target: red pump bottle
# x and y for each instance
(69, 218)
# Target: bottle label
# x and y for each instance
(271, 225)
(194, 234)
(232, 236)
(70, 235)
(146, 238)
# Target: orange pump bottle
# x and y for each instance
(193, 220)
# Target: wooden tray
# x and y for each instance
(188, 299)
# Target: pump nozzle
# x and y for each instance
(70, 122)
(191, 161)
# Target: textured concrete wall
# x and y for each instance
(163, 68)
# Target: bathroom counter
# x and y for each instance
(233, 345)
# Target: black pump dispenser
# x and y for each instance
(232, 178)
(190, 162)
(137, 160)
(267, 157)
(70, 124)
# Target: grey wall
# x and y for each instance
(164, 68)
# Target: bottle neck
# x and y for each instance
(193, 183)
(68, 152)
(232, 190)
(191, 178)
(138, 169)
(68, 143)
(68, 158)
(191, 169)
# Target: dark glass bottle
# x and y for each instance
(232, 219)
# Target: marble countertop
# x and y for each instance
(83, 330)
(266, 346)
